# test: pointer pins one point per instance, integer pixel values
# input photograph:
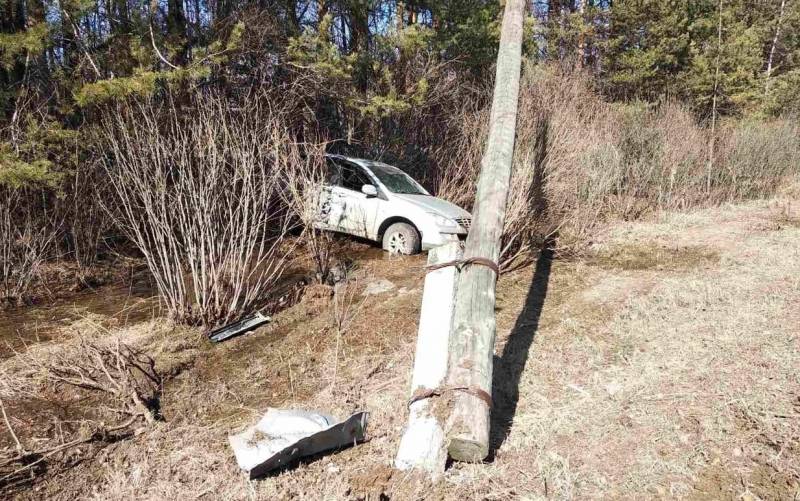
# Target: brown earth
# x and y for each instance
(662, 365)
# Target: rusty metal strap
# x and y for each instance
(461, 263)
(423, 393)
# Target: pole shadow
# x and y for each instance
(509, 366)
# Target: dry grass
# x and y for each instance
(581, 163)
(664, 364)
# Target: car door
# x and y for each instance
(358, 211)
(331, 210)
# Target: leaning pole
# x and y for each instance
(455, 342)
(471, 348)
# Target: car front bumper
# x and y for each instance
(435, 239)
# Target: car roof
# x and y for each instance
(359, 161)
(363, 162)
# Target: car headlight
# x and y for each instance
(444, 222)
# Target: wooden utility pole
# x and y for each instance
(472, 339)
(455, 342)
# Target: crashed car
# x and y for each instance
(379, 202)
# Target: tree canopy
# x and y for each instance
(356, 66)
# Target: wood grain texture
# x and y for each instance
(472, 340)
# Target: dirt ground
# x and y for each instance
(664, 364)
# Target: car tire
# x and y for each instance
(401, 238)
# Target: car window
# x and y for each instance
(353, 177)
(333, 176)
(396, 180)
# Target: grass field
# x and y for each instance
(663, 364)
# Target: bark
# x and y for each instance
(322, 10)
(712, 140)
(771, 57)
(473, 336)
(581, 50)
(399, 11)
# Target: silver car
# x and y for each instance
(379, 202)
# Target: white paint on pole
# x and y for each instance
(422, 445)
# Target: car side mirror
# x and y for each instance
(369, 190)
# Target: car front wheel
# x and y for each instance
(401, 238)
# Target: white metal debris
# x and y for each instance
(282, 436)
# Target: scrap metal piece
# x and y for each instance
(240, 327)
(283, 436)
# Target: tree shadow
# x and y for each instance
(509, 366)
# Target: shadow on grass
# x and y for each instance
(509, 366)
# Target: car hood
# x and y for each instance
(437, 205)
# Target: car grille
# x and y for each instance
(464, 222)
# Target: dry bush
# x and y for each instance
(756, 158)
(199, 193)
(346, 305)
(460, 157)
(120, 373)
(120, 381)
(304, 170)
(580, 161)
(86, 220)
(27, 233)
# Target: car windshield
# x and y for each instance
(396, 180)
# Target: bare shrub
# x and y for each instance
(682, 156)
(756, 158)
(124, 376)
(86, 220)
(27, 233)
(460, 157)
(198, 191)
(580, 161)
(122, 379)
(304, 171)
(346, 306)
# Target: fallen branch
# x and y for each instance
(33, 458)
(117, 370)
(20, 449)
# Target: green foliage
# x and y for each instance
(647, 47)
(40, 154)
(16, 173)
(142, 84)
(314, 51)
(14, 46)
(469, 32)
(740, 63)
(361, 62)
(117, 88)
(783, 95)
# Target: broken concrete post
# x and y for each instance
(422, 445)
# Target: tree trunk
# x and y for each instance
(322, 11)
(176, 30)
(399, 11)
(712, 140)
(472, 340)
(581, 49)
(772, 49)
